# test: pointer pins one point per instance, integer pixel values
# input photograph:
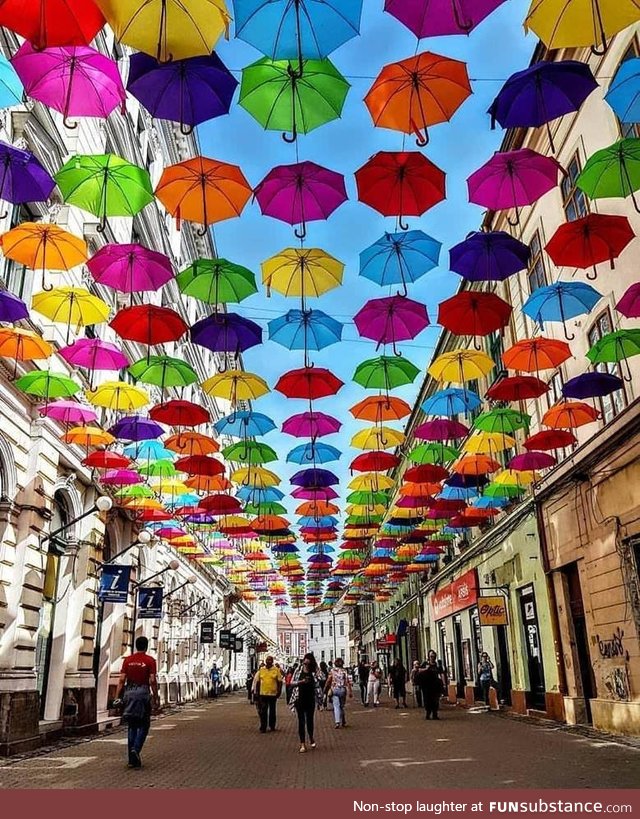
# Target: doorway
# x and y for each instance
(535, 667)
(504, 667)
(579, 622)
(457, 641)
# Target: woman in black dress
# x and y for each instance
(304, 699)
(429, 678)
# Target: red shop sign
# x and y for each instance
(459, 595)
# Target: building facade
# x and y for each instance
(329, 635)
(293, 637)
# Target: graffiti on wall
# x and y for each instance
(616, 681)
(613, 647)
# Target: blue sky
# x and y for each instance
(493, 51)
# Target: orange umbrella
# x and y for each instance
(317, 508)
(269, 523)
(476, 465)
(380, 408)
(417, 490)
(22, 345)
(43, 246)
(192, 443)
(203, 190)
(569, 415)
(534, 354)
(412, 94)
(208, 483)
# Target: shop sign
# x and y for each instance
(114, 584)
(207, 633)
(238, 645)
(226, 639)
(386, 642)
(261, 648)
(150, 602)
(492, 611)
(457, 596)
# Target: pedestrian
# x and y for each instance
(485, 674)
(339, 684)
(138, 681)
(374, 683)
(429, 678)
(398, 682)
(267, 687)
(303, 699)
(214, 676)
(417, 692)
(363, 678)
(323, 675)
(249, 685)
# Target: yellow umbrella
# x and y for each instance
(363, 509)
(88, 436)
(255, 476)
(43, 246)
(486, 443)
(71, 305)
(512, 477)
(118, 395)
(358, 534)
(302, 272)
(401, 512)
(371, 482)
(459, 366)
(142, 503)
(580, 23)
(236, 385)
(170, 486)
(377, 438)
(168, 29)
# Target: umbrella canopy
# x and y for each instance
(433, 453)
(163, 371)
(305, 330)
(441, 429)
(452, 401)
(623, 94)
(629, 304)
(50, 23)
(71, 306)
(302, 272)
(12, 308)
(313, 452)
(250, 452)
(320, 478)
(203, 190)
(118, 395)
(532, 355)
(226, 333)
(400, 258)
(77, 81)
(23, 345)
(22, 177)
(47, 385)
(473, 313)
(532, 461)
(43, 246)
(400, 184)
(569, 415)
(103, 459)
(380, 408)
(69, 412)
(311, 425)
(217, 281)
(88, 436)
(613, 172)
(434, 18)
(168, 29)
(550, 439)
(308, 383)
(488, 443)
(561, 302)
(11, 90)
(148, 324)
(592, 385)
(375, 461)
(503, 421)
(200, 465)
(517, 388)
(236, 385)
(616, 347)
(190, 91)
(460, 366)
(244, 424)
(391, 319)
(489, 256)
(138, 428)
(192, 443)
(130, 268)
(588, 241)
(293, 98)
(377, 438)
(580, 23)
(385, 373)
(94, 354)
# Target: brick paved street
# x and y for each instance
(217, 745)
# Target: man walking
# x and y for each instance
(138, 680)
(267, 687)
(215, 681)
(363, 679)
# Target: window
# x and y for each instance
(496, 348)
(343, 653)
(537, 274)
(341, 627)
(311, 631)
(322, 656)
(322, 629)
(574, 200)
(555, 388)
(330, 629)
(610, 405)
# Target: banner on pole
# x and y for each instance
(150, 602)
(114, 584)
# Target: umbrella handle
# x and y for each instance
(569, 336)
(186, 130)
(301, 233)
(514, 222)
(422, 139)
(290, 139)
(600, 52)
(72, 126)
(402, 225)
(202, 232)
(592, 276)
(476, 345)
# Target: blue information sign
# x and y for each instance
(114, 584)
(150, 602)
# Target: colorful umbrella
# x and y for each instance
(452, 401)
(22, 177)
(23, 345)
(200, 465)
(592, 385)
(103, 459)
(532, 355)
(216, 281)
(168, 29)
(375, 461)
(77, 81)
(513, 179)
(189, 92)
(434, 18)
(400, 184)
(226, 333)
(623, 94)
(71, 306)
(488, 443)
(434, 453)
(502, 421)
(474, 313)
(11, 90)
(192, 443)
(163, 371)
(441, 429)
(569, 415)
(130, 268)
(302, 272)
(244, 424)
(235, 386)
(532, 461)
(118, 395)
(12, 308)
(613, 172)
(47, 385)
(203, 190)
(412, 94)
(308, 383)
(50, 23)
(380, 408)
(313, 452)
(88, 436)
(385, 373)
(550, 439)
(43, 246)
(311, 425)
(561, 301)
(616, 347)
(377, 438)
(320, 478)
(94, 354)
(460, 366)
(300, 193)
(305, 330)
(292, 98)
(250, 452)
(105, 185)
(588, 241)
(138, 428)
(628, 305)
(517, 388)
(392, 319)
(400, 258)
(69, 412)
(489, 256)
(148, 324)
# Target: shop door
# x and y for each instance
(457, 641)
(504, 668)
(534, 652)
(579, 622)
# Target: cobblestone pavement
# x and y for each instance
(217, 745)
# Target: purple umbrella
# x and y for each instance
(541, 93)
(130, 268)
(22, 177)
(311, 425)
(466, 481)
(69, 412)
(315, 493)
(434, 18)
(314, 479)
(121, 477)
(513, 179)
(391, 319)
(186, 91)
(591, 385)
(77, 81)
(12, 308)
(136, 428)
(300, 193)
(530, 461)
(441, 429)
(226, 333)
(629, 304)
(489, 257)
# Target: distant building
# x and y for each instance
(293, 636)
(328, 635)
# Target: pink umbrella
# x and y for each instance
(531, 461)
(513, 179)
(391, 319)
(311, 425)
(434, 18)
(441, 429)
(121, 477)
(629, 304)
(130, 268)
(77, 81)
(94, 354)
(327, 493)
(69, 412)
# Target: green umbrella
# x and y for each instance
(433, 454)
(163, 371)
(615, 347)
(283, 98)
(266, 508)
(363, 520)
(45, 384)
(158, 469)
(250, 452)
(368, 498)
(105, 185)
(613, 172)
(502, 421)
(385, 373)
(138, 490)
(497, 490)
(217, 281)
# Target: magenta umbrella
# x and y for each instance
(311, 425)
(629, 304)
(441, 429)
(391, 319)
(69, 412)
(77, 81)
(530, 461)
(301, 193)
(130, 268)
(513, 179)
(435, 18)
(94, 354)
(121, 477)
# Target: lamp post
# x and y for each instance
(170, 567)
(102, 504)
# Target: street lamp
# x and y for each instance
(103, 503)
(189, 581)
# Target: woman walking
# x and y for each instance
(338, 681)
(429, 678)
(398, 682)
(323, 674)
(303, 699)
(374, 685)
(485, 674)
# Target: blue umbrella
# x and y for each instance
(592, 385)
(293, 29)
(11, 89)
(624, 92)
(452, 401)
(148, 451)
(313, 453)
(320, 548)
(458, 493)
(285, 548)
(489, 256)
(491, 503)
(244, 424)
(560, 302)
(400, 258)
(190, 499)
(254, 496)
(317, 523)
(305, 330)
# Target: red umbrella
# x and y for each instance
(103, 459)
(550, 439)
(471, 313)
(148, 324)
(180, 414)
(517, 388)
(426, 473)
(589, 241)
(200, 465)
(221, 504)
(400, 184)
(51, 23)
(531, 461)
(153, 515)
(374, 462)
(309, 383)
(445, 506)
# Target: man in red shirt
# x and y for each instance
(139, 682)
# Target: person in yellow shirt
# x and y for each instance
(267, 687)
